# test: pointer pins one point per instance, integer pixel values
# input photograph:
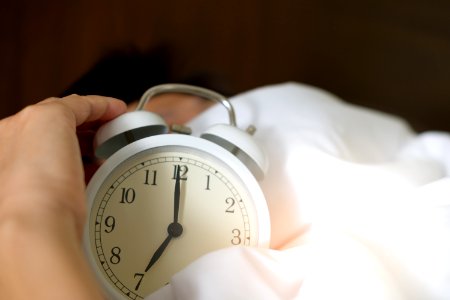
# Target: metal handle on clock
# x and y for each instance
(188, 89)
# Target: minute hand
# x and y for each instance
(176, 197)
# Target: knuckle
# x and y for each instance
(44, 111)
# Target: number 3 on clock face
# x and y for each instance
(161, 208)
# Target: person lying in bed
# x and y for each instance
(359, 203)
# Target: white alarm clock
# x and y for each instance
(162, 200)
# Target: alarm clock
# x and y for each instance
(164, 197)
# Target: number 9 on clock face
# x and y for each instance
(159, 209)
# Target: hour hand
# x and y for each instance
(174, 230)
(158, 252)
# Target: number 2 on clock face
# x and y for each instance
(135, 206)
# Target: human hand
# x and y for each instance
(42, 203)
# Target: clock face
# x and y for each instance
(161, 209)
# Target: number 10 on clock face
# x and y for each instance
(159, 210)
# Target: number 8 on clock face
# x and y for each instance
(160, 203)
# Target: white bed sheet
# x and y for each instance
(359, 205)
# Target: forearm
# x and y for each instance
(42, 259)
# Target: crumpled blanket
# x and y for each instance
(359, 205)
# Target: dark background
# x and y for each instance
(385, 54)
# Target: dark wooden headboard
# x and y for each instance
(388, 55)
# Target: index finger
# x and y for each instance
(87, 108)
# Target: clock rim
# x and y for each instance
(162, 140)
